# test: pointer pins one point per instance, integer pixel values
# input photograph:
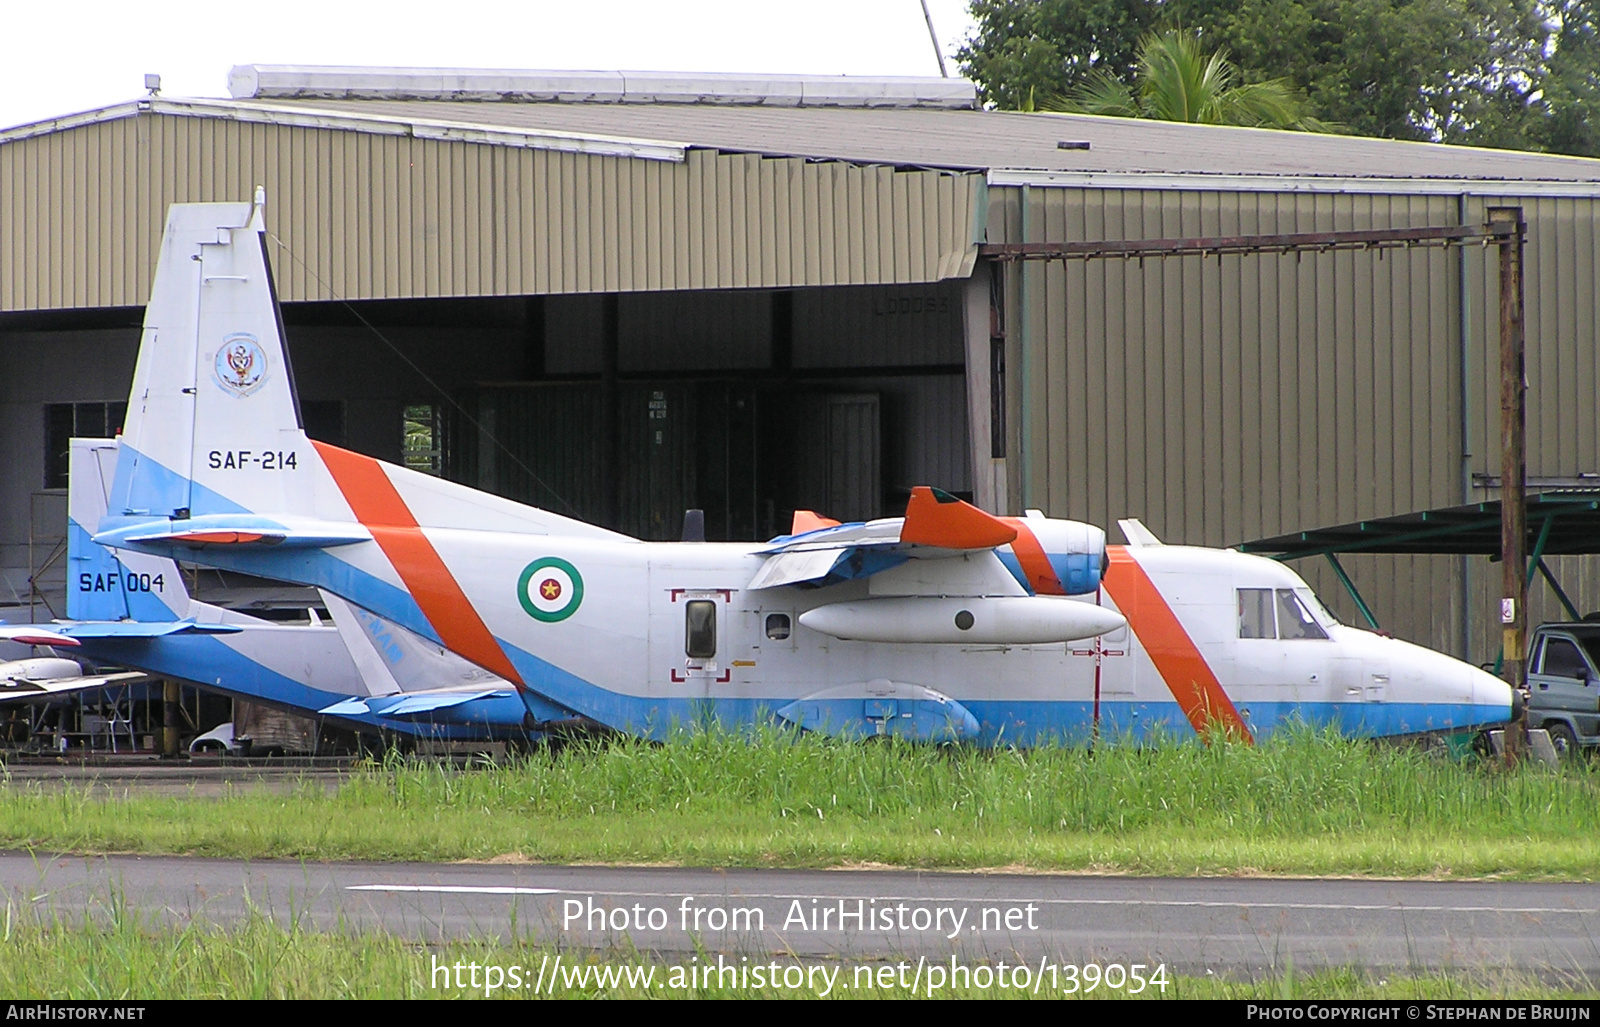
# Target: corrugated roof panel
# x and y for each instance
(989, 139)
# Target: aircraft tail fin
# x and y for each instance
(214, 444)
(103, 584)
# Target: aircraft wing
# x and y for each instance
(936, 526)
(23, 689)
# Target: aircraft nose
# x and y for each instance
(1494, 699)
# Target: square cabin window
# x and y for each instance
(778, 626)
(1255, 613)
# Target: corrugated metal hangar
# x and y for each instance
(619, 296)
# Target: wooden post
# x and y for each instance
(1513, 466)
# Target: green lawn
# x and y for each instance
(1307, 804)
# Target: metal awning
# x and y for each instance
(1560, 523)
(1564, 522)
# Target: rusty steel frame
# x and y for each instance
(1499, 233)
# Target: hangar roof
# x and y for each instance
(905, 122)
(987, 140)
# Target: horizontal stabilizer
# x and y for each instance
(33, 634)
(232, 530)
(148, 629)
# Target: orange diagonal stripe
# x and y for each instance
(1042, 577)
(1177, 659)
(378, 506)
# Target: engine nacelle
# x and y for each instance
(1055, 557)
(979, 620)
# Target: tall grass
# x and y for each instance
(1302, 803)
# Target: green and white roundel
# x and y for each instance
(550, 589)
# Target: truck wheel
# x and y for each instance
(1563, 741)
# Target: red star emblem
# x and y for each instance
(550, 588)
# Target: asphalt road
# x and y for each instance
(1235, 926)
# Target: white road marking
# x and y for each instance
(453, 889)
(1396, 907)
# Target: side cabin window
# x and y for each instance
(1276, 613)
(1255, 613)
(700, 629)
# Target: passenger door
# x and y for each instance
(1562, 679)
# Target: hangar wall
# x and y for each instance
(370, 215)
(1222, 400)
(896, 349)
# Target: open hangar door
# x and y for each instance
(748, 405)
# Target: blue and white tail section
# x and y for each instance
(101, 585)
(215, 466)
(133, 609)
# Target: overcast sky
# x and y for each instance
(72, 55)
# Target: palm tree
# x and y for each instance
(1178, 81)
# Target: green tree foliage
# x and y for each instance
(1178, 81)
(1511, 73)
(1037, 48)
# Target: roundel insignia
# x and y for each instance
(550, 589)
(241, 364)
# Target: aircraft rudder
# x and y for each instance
(213, 422)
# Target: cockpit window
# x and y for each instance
(1318, 608)
(1294, 620)
(1255, 613)
(1280, 613)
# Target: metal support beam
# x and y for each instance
(1350, 586)
(1555, 586)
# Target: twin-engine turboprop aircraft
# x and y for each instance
(946, 623)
